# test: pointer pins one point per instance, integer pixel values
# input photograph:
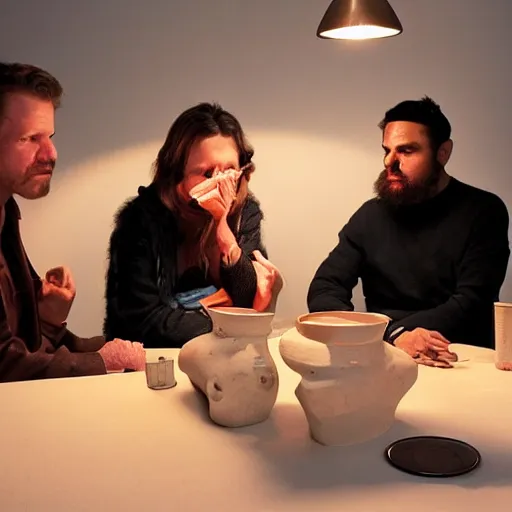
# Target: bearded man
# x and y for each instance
(431, 251)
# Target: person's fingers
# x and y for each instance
(61, 277)
(442, 364)
(137, 356)
(263, 261)
(46, 288)
(437, 335)
(430, 353)
(447, 356)
(424, 360)
(68, 282)
(120, 342)
(432, 362)
(55, 275)
(436, 344)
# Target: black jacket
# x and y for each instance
(143, 273)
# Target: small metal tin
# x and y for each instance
(160, 374)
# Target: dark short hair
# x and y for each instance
(426, 112)
(28, 79)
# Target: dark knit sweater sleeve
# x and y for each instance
(136, 307)
(239, 280)
(480, 274)
(336, 277)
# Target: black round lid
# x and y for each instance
(432, 456)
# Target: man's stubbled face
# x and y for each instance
(27, 153)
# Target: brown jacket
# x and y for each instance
(36, 351)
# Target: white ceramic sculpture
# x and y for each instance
(233, 367)
(352, 381)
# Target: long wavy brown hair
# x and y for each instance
(199, 122)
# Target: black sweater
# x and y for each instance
(143, 274)
(437, 265)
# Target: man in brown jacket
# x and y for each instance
(34, 340)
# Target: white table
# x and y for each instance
(110, 443)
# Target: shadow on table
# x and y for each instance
(197, 402)
(284, 445)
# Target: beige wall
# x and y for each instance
(309, 106)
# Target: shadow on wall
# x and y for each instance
(306, 194)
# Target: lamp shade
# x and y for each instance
(359, 19)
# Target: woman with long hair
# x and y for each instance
(190, 238)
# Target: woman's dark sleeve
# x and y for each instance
(239, 280)
(136, 307)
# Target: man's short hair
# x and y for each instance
(28, 79)
(426, 112)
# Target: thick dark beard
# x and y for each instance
(410, 193)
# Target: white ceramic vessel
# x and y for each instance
(233, 367)
(352, 381)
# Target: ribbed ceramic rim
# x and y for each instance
(379, 320)
(237, 311)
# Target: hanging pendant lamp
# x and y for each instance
(359, 19)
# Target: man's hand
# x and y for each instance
(119, 355)
(56, 297)
(217, 194)
(429, 348)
